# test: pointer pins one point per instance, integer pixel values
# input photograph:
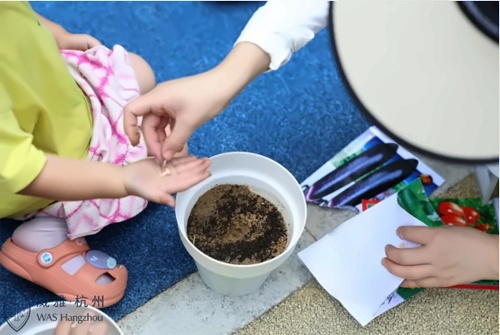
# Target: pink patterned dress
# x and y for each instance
(107, 78)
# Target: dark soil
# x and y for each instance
(233, 224)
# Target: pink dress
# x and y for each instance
(108, 80)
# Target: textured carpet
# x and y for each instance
(299, 116)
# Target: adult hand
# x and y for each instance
(187, 103)
(146, 179)
(446, 256)
(184, 104)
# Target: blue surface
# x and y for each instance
(299, 116)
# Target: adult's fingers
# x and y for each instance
(131, 114)
(153, 123)
(417, 234)
(153, 130)
(411, 272)
(176, 141)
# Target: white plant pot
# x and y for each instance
(266, 178)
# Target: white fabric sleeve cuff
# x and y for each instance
(282, 27)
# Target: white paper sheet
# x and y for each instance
(347, 261)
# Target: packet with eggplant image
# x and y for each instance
(371, 167)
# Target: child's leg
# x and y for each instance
(143, 72)
(40, 233)
(44, 232)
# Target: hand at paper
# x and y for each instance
(446, 256)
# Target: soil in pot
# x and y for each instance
(233, 224)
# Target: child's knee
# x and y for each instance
(143, 72)
(41, 232)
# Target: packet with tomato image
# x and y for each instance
(367, 203)
(469, 212)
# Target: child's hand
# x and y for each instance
(147, 180)
(67, 40)
(447, 256)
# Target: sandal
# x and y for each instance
(45, 269)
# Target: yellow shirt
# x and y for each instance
(42, 109)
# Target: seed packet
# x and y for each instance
(371, 167)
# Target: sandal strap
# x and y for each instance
(49, 257)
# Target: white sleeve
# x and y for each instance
(282, 27)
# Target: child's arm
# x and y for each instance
(71, 179)
(56, 29)
(67, 40)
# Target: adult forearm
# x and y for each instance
(245, 62)
(282, 27)
(71, 179)
(271, 36)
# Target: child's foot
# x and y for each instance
(45, 232)
(70, 270)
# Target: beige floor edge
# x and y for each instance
(311, 310)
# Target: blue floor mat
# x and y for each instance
(299, 116)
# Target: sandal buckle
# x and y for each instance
(100, 260)
(46, 258)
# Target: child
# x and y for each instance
(55, 112)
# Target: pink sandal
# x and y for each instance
(45, 269)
